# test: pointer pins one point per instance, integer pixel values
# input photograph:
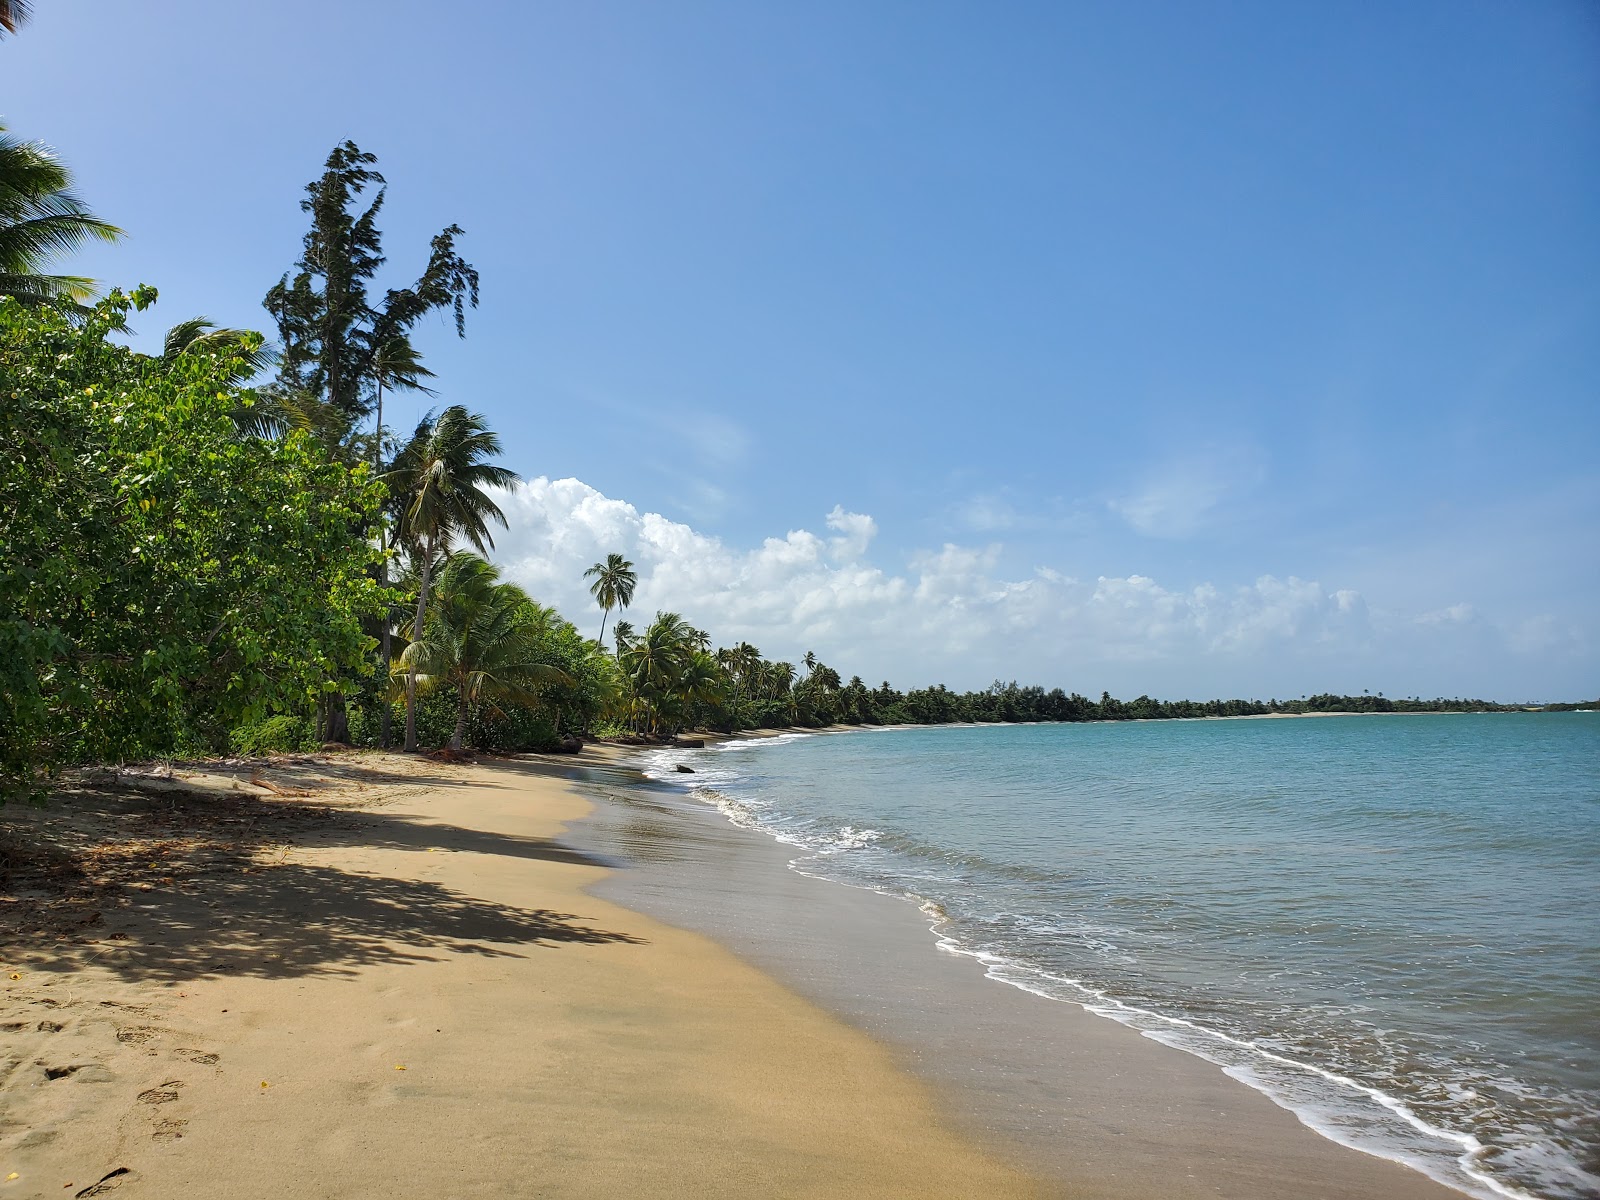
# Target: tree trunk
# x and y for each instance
(461, 723)
(337, 727)
(605, 615)
(386, 642)
(385, 638)
(416, 635)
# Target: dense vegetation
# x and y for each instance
(195, 565)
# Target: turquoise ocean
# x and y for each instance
(1389, 924)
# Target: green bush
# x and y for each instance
(515, 730)
(275, 735)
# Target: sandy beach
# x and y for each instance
(368, 975)
(413, 995)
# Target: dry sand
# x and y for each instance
(380, 977)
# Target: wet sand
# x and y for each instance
(1079, 1099)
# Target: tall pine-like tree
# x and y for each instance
(341, 347)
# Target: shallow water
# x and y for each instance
(1387, 923)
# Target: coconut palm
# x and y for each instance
(623, 633)
(614, 581)
(200, 335)
(14, 13)
(656, 661)
(438, 483)
(482, 638)
(396, 364)
(40, 218)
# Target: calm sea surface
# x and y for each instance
(1389, 924)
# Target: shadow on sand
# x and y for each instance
(177, 886)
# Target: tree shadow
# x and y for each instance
(297, 920)
(214, 892)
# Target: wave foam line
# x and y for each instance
(1102, 1004)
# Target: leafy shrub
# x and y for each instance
(275, 734)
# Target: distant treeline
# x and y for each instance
(857, 704)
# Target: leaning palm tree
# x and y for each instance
(438, 484)
(614, 581)
(483, 638)
(41, 218)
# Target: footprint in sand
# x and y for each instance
(198, 1056)
(165, 1094)
(138, 1035)
(168, 1131)
(108, 1182)
(50, 1027)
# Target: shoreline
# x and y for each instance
(1327, 1165)
(416, 994)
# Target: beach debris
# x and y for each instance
(398, 1067)
(11, 1176)
(16, 974)
(265, 1085)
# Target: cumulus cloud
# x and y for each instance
(950, 612)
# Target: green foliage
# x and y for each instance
(439, 481)
(483, 638)
(165, 580)
(276, 734)
(338, 342)
(515, 730)
(41, 218)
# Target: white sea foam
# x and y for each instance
(1343, 1109)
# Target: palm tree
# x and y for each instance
(483, 639)
(40, 216)
(614, 581)
(200, 335)
(437, 482)
(656, 662)
(395, 363)
(14, 13)
(623, 632)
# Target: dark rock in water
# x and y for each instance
(686, 770)
(690, 743)
(569, 745)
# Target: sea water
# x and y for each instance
(1389, 924)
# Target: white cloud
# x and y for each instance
(856, 531)
(950, 613)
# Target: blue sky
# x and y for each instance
(1190, 349)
